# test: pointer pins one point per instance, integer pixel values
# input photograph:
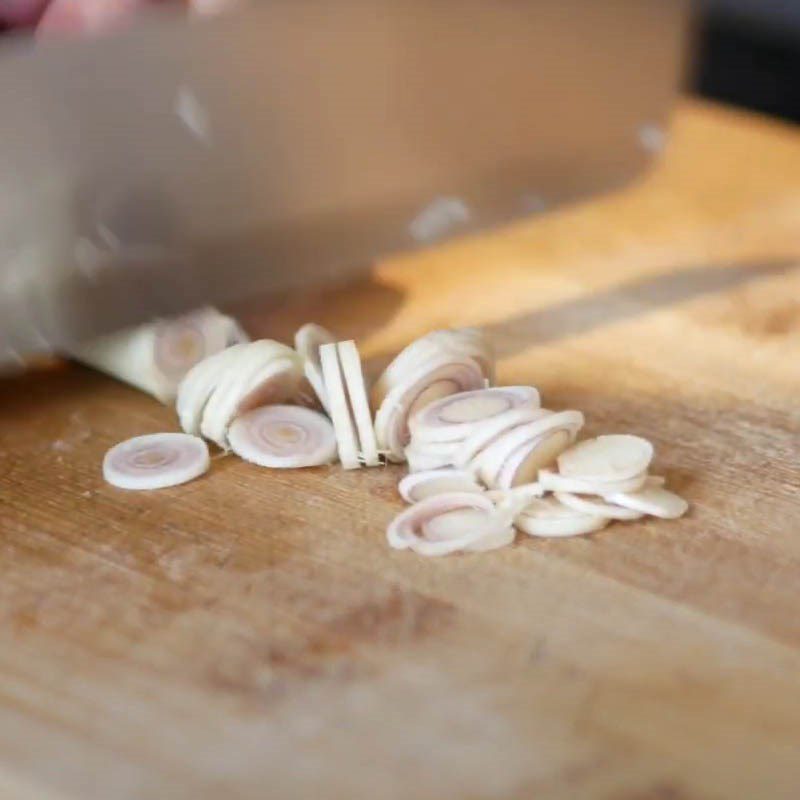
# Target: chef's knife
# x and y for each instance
(184, 163)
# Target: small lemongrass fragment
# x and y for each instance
(155, 461)
(359, 404)
(420, 485)
(454, 417)
(156, 356)
(446, 523)
(487, 432)
(307, 342)
(339, 408)
(437, 378)
(547, 517)
(606, 458)
(597, 507)
(653, 500)
(554, 482)
(283, 437)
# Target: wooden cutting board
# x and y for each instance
(251, 635)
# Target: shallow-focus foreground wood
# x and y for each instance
(250, 635)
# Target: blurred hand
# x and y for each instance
(58, 17)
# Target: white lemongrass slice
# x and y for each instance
(523, 464)
(606, 458)
(596, 507)
(340, 412)
(462, 342)
(490, 461)
(423, 460)
(547, 517)
(652, 499)
(307, 342)
(155, 461)
(420, 485)
(359, 404)
(488, 431)
(437, 378)
(283, 437)
(466, 519)
(264, 372)
(155, 357)
(453, 418)
(196, 388)
(554, 482)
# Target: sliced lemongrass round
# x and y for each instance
(416, 528)
(196, 388)
(359, 404)
(598, 508)
(283, 437)
(464, 342)
(499, 530)
(454, 417)
(653, 500)
(442, 449)
(339, 408)
(307, 342)
(420, 485)
(155, 461)
(547, 517)
(423, 460)
(554, 482)
(437, 378)
(523, 464)
(486, 432)
(490, 460)
(264, 372)
(606, 458)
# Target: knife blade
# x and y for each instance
(179, 163)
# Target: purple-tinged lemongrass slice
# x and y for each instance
(307, 342)
(447, 523)
(488, 431)
(421, 485)
(554, 482)
(359, 404)
(155, 357)
(523, 464)
(155, 461)
(489, 460)
(543, 447)
(597, 507)
(437, 378)
(198, 385)
(283, 437)
(606, 458)
(652, 499)
(264, 372)
(547, 517)
(461, 343)
(339, 408)
(454, 417)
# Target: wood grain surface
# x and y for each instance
(251, 635)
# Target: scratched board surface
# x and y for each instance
(251, 635)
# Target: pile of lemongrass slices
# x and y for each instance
(484, 461)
